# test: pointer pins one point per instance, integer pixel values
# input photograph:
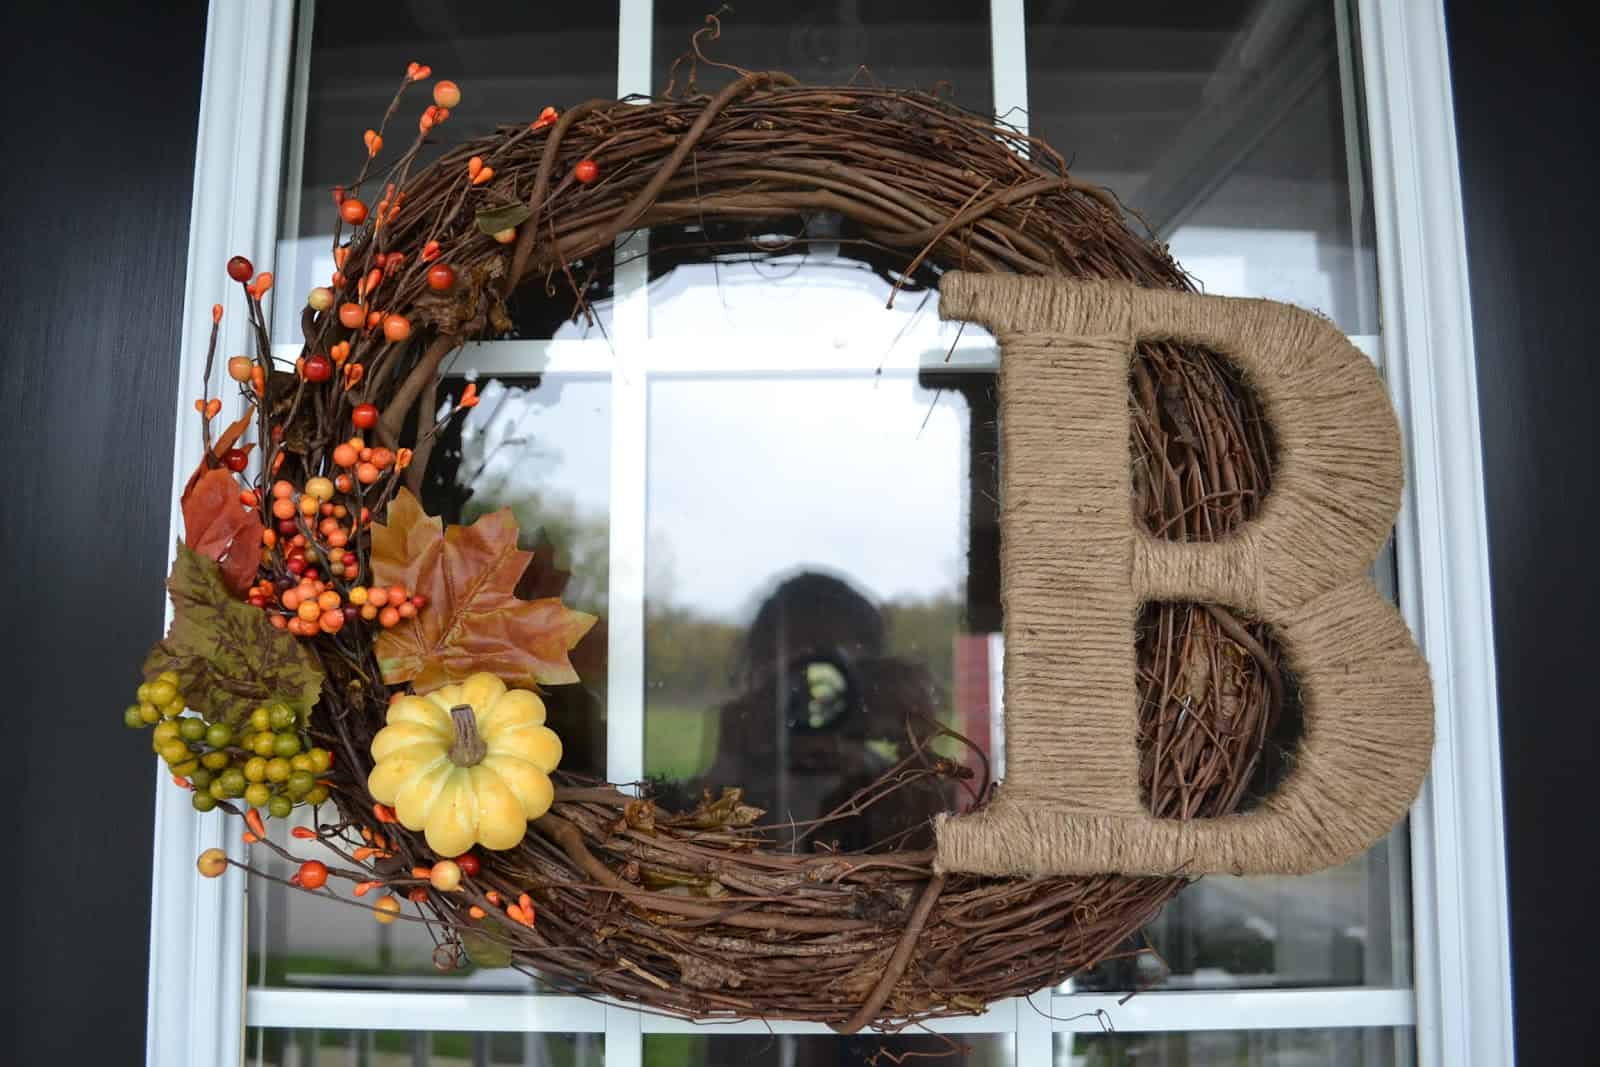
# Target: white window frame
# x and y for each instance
(1460, 1004)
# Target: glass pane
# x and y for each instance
(1233, 128)
(808, 589)
(511, 60)
(756, 1050)
(406, 1048)
(540, 446)
(1343, 927)
(935, 45)
(1239, 1048)
(813, 276)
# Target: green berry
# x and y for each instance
(164, 732)
(144, 694)
(149, 713)
(159, 692)
(278, 770)
(172, 708)
(186, 768)
(321, 760)
(216, 790)
(132, 719)
(202, 800)
(257, 794)
(280, 806)
(219, 735)
(261, 719)
(191, 729)
(233, 781)
(200, 777)
(285, 745)
(280, 716)
(216, 761)
(265, 743)
(302, 762)
(300, 783)
(317, 795)
(255, 769)
(174, 751)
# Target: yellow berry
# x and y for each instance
(319, 488)
(212, 862)
(388, 908)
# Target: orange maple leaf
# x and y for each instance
(216, 525)
(474, 621)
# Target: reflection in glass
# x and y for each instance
(1238, 1048)
(1343, 927)
(787, 1050)
(511, 59)
(805, 587)
(1233, 129)
(406, 1048)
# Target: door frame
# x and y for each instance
(1462, 1012)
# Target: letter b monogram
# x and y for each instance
(1076, 567)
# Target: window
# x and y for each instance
(1275, 145)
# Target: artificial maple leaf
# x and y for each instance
(230, 660)
(225, 441)
(217, 526)
(473, 620)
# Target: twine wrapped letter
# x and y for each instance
(1075, 569)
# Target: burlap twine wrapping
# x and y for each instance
(1076, 568)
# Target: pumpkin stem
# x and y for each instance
(469, 748)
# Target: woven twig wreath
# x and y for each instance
(694, 913)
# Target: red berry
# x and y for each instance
(313, 874)
(317, 368)
(353, 211)
(287, 527)
(586, 171)
(469, 864)
(236, 459)
(441, 276)
(295, 565)
(365, 416)
(240, 270)
(419, 601)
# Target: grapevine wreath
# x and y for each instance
(335, 646)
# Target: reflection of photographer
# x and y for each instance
(821, 713)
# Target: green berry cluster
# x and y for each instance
(268, 764)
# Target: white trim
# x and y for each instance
(320, 1009)
(1008, 45)
(1274, 1009)
(1462, 963)
(195, 1006)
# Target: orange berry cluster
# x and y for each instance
(367, 464)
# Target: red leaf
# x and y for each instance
(216, 526)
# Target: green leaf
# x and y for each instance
(486, 951)
(496, 219)
(228, 656)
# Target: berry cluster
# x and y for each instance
(318, 590)
(269, 764)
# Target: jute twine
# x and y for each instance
(1076, 567)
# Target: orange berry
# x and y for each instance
(445, 875)
(269, 537)
(282, 489)
(344, 456)
(417, 895)
(328, 600)
(351, 316)
(212, 862)
(407, 610)
(308, 610)
(366, 474)
(373, 318)
(239, 368)
(283, 508)
(397, 594)
(364, 452)
(396, 328)
(389, 617)
(343, 483)
(331, 621)
(308, 506)
(291, 598)
(278, 621)
(476, 912)
(338, 539)
(507, 235)
(446, 94)
(377, 596)
(382, 458)
(369, 612)
(353, 211)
